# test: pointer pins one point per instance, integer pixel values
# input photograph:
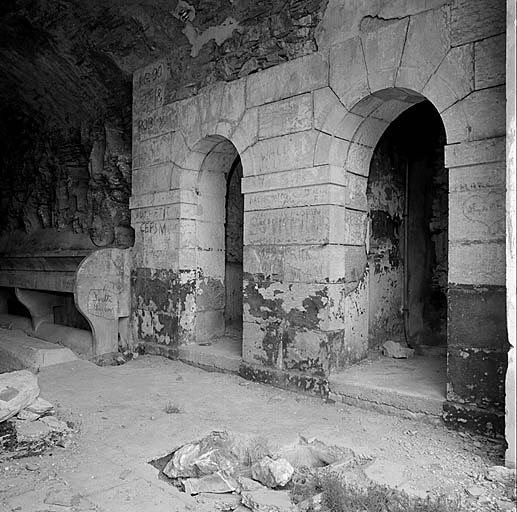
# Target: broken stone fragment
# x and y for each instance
(27, 431)
(17, 390)
(501, 474)
(62, 498)
(312, 504)
(271, 472)
(217, 483)
(247, 484)
(26, 415)
(40, 407)
(267, 500)
(396, 350)
(54, 424)
(315, 454)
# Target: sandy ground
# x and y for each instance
(122, 425)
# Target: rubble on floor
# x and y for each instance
(229, 472)
(397, 350)
(27, 422)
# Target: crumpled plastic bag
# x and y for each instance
(211, 454)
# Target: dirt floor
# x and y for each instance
(122, 417)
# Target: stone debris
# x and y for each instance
(272, 473)
(30, 431)
(55, 424)
(247, 484)
(17, 390)
(28, 425)
(40, 407)
(501, 474)
(312, 504)
(313, 453)
(62, 498)
(26, 415)
(267, 500)
(396, 350)
(217, 483)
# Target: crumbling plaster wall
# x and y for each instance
(305, 131)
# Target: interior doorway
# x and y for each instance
(218, 219)
(234, 223)
(408, 212)
(406, 246)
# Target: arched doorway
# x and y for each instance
(407, 197)
(398, 185)
(218, 249)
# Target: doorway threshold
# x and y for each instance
(223, 354)
(413, 388)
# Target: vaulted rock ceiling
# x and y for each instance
(66, 84)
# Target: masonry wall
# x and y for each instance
(305, 131)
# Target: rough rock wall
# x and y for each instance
(78, 182)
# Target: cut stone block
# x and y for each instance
(453, 79)
(348, 74)
(475, 152)
(477, 264)
(383, 47)
(481, 115)
(21, 351)
(286, 116)
(426, 45)
(490, 62)
(294, 77)
(473, 21)
(283, 153)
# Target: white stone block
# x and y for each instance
(293, 151)
(473, 21)
(477, 215)
(355, 227)
(153, 151)
(475, 152)
(233, 101)
(481, 115)
(358, 159)
(454, 78)
(490, 62)
(348, 74)
(305, 225)
(477, 264)
(246, 133)
(158, 122)
(383, 49)
(294, 77)
(370, 131)
(153, 179)
(356, 191)
(295, 178)
(285, 116)
(298, 196)
(330, 150)
(426, 45)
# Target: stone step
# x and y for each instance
(19, 351)
(223, 355)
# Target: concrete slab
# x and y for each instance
(223, 354)
(413, 387)
(19, 351)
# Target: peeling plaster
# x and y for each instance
(219, 34)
